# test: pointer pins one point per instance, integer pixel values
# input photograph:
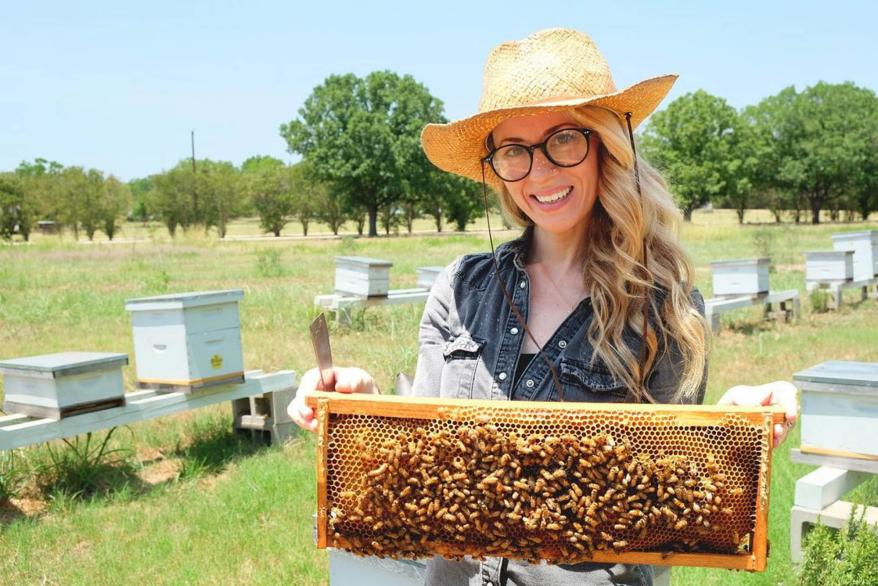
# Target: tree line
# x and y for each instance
(793, 153)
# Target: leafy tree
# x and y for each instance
(139, 190)
(822, 139)
(115, 205)
(693, 142)
(40, 184)
(89, 202)
(221, 192)
(359, 133)
(16, 209)
(463, 200)
(271, 196)
(306, 191)
(171, 198)
(331, 208)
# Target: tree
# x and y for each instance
(221, 194)
(693, 142)
(171, 197)
(16, 209)
(359, 134)
(40, 183)
(115, 204)
(271, 196)
(463, 200)
(822, 139)
(89, 202)
(139, 190)
(331, 208)
(306, 190)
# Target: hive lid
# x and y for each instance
(363, 260)
(63, 363)
(184, 300)
(841, 373)
(742, 261)
(866, 235)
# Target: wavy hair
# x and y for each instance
(620, 222)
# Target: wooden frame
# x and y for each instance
(437, 408)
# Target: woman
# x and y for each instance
(594, 302)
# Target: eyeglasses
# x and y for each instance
(567, 147)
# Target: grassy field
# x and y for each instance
(182, 499)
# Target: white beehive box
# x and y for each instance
(362, 276)
(832, 265)
(740, 277)
(865, 248)
(63, 384)
(840, 408)
(187, 340)
(427, 276)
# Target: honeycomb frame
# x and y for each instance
(359, 471)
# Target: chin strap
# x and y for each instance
(515, 311)
(644, 356)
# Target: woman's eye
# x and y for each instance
(565, 137)
(512, 152)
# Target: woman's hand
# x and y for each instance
(777, 393)
(342, 380)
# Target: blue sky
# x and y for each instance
(119, 85)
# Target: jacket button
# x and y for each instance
(562, 344)
(502, 376)
(529, 383)
(513, 331)
(522, 284)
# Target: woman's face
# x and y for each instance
(557, 199)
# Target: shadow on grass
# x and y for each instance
(211, 445)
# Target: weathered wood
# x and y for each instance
(322, 408)
(716, 306)
(171, 386)
(836, 289)
(17, 431)
(825, 485)
(41, 411)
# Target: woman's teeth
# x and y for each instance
(553, 197)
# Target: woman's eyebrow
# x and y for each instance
(545, 134)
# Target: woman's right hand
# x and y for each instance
(343, 380)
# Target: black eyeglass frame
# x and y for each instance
(489, 158)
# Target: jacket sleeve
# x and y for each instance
(668, 372)
(434, 333)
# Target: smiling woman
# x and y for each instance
(594, 302)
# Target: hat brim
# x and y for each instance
(459, 146)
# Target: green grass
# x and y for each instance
(182, 499)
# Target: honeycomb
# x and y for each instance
(562, 485)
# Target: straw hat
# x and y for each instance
(551, 70)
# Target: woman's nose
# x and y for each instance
(542, 165)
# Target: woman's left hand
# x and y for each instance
(777, 393)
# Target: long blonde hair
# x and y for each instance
(619, 224)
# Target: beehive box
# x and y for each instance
(362, 276)
(840, 409)
(63, 384)
(864, 245)
(740, 277)
(427, 276)
(562, 482)
(184, 341)
(829, 266)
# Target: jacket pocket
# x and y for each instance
(585, 382)
(461, 361)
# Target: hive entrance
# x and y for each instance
(562, 485)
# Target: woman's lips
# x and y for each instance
(551, 199)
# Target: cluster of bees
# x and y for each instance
(480, 491)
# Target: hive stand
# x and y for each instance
(341, 304)
(264, 417)
(836, 289)
(789, 306)
(818, 495)
(22, 430)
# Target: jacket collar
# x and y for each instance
(516, 250)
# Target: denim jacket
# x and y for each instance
(469, 346)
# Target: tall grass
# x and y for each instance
(185, 500)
